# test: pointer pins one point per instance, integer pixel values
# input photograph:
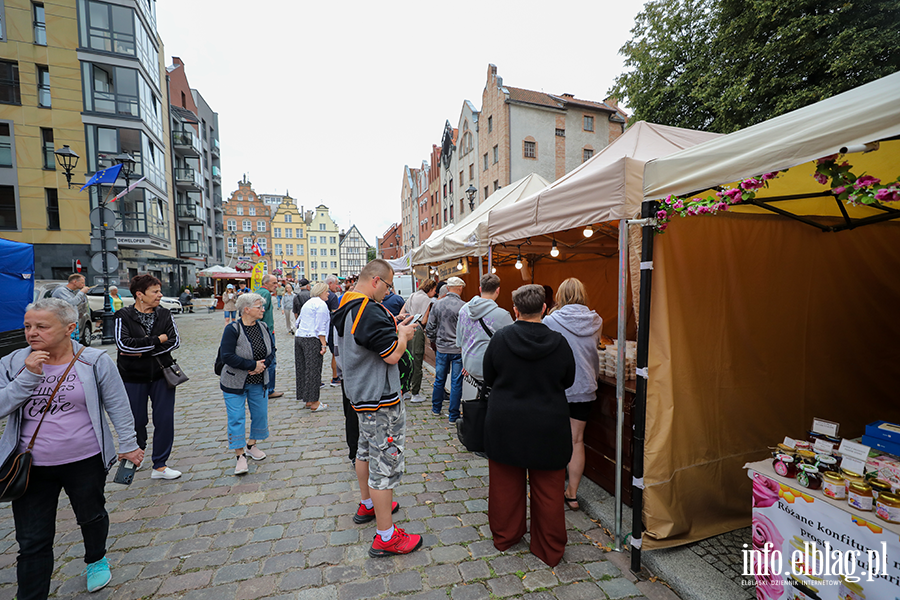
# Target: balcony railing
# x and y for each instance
(186, 142)
(217, 201)
(220, 229)
(188, 212)
(217, 174)
(191, 247)
(187, 176)
(214, 148)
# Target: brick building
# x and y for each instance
(390, 243)
(247, 220)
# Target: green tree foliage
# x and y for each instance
(370, 254)
(721, 65)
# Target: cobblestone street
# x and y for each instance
(285, 530)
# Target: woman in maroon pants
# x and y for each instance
(527, 436)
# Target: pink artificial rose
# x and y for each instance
(826, 159)
(866, 180)
(678, 205)
(661, 215)
(663, 227)
(765, 491)
(752, 184)
(733, 194)
(722, 206)
(823, 179)
(839, 190)
(887, 195)
(764, 532)
(768, 176)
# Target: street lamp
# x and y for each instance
(127, 161)
(67, 159)
(470, 194)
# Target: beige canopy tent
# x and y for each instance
(769, 315)
(469, 236)
(608, 187)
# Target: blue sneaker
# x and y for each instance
(98, 575)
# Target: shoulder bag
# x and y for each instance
(470, 425)
(16, 469)
(173, 374)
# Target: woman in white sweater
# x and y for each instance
(310, 346)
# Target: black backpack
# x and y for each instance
(220, 364)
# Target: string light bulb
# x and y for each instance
(588, 231)
(459, 265)
(554, 251)
(519, 262)
(493, 269)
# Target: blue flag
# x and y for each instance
(104, 176)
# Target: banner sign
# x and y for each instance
(448, 269)
(807, 547)
(259, 269)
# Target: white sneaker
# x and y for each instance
(254, 452)
(406, 396)
(417, 398)
(240, 467)
(166, 473)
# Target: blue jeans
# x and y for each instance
(443, 363)
(257, 400)
(271, 368)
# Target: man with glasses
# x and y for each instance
(371, 343)
(269, 282)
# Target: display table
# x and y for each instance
(798, 522)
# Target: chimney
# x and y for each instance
(572, 96)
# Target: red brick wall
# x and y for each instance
(178, 85)
(390, 244)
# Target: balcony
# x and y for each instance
(188, 178)
(214, 148)
(186, 143)
(189, 213)
(217, 201)
(191, 248)
(217, 175)
(220, 230)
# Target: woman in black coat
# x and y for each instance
(527, 434)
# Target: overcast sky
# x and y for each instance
(329, 100)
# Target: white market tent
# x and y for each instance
(217, 270)
(608, 187)
(469, 236)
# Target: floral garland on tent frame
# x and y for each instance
(845, 186)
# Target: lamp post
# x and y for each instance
(470, 194)
(67, 159)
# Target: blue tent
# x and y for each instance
(16, 281)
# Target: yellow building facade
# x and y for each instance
(289, 239)
(323, 244)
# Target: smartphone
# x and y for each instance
(417, 319)
(125, 474)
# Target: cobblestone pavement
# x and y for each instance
(724, 552)
(285, 531)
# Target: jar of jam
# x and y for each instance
(783, 449)
(834, 486)
(879, 487)
(826, 462)
(860, 496)
(887, 507)
(850, 590)
(850, 477)
(809, 477)
(802, 445)
(806, 456)
(785, 466)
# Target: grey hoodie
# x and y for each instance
(471, 336)
(581, 328)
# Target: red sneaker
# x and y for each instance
(400, 543)
(364, 515)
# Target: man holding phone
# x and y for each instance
(419, 303)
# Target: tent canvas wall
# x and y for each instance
(17, 282)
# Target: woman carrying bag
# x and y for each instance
(72, 447)
(246, 352)
(145, 337)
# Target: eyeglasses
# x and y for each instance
(390, 286)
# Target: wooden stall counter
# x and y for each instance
(600, 438)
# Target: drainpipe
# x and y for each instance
(172, 171)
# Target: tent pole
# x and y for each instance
(480, 269)
(620, 376)
(639, 412)
(490, 258)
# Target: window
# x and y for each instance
(43, 84)
(290, 249)
(8, 215)
(247, 226)
(333, 252)
(471, 172)
(314, 265)
(6, 154)
(334, 264)
(262, 244)
(485, 161)
(299, 234)
(496, 184)
(451, 212)
(232, 245)
(252, 212)
(321, 226)
(277, 250)
(461, 180)
(47, 149)
(485, 191)
(588, 123)
(52, 209)
(586, 154)
(312, 239)
(240, 211)
(9, 83)
(490, 124)
(313, 252)
(288, 217)
(232, 225)
(445, 215)
(40, 25)
(333, 240)
(111, 90)
(260, 225)
(496, 154)
(529, 149)
(110, 28)
(299, 249)
(560, 132)
(276, 232)
(451, 187)
(288, 232)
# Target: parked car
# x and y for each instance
(95, 297)
(44, 289)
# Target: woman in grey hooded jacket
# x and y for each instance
(581, 327)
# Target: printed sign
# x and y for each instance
(259, 269)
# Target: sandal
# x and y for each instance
(572, 503)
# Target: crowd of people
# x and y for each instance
(537, 372)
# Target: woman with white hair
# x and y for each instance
(53, 394)
(310, 344)
(115, 300)
(246, 351)
(287, 307)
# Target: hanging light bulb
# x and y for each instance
(588, 231)
(493, 269)
(554, 251)
(519, 262)
(459, 265)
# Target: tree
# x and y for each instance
(759, 58)
(370, 254)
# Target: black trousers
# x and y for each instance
(35, 518)
(162, 399)
(351, 426)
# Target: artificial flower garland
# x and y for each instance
(845, 186)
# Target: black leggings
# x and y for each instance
(351, 426)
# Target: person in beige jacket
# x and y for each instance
(228, 299)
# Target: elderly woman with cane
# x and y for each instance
(246, 352)
(54, 394)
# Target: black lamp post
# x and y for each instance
(127, 161)
(67, 159)
(470, 194)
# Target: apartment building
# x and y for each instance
(324, 245)
(288, 237)
(390, 243)
(89, 75)
(353, 252)
(247, 221)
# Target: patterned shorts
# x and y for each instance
(386, 459)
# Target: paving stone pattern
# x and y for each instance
(285, 530)
(724, 552)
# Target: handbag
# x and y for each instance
(470, 426)
(173, 374)
(17, 468)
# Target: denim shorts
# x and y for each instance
(386, 459)
(231, 314)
